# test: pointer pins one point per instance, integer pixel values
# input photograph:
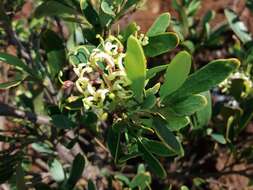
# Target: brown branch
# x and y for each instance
(6, 110)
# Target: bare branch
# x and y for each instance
(6, 110)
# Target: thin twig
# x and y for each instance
(6, 110)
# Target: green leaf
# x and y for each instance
(113, 140)
(55, 50)
(106, 8)
(76, 171)
(160, 25)
(53, 8)
(56, 170)
(149, 101)
(62, 122)
(14, 83)
(161, 43)
(175, 123)
(129, 4)
(176, 73)
(90, 13)
(140, 180)
(16, 62)
(128, 31)
(42, 148)
(79, 55)
(238, 26)
(136, 67)
(158, 148)
(20, 178)
(167, 137)
(205, 79)
(154, 165)
(153, 71)
(193, 7)
(189, 105)
(91, 185)
(204, 115)
(219, 138)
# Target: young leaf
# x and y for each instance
(167, 137)
(128, 31)
(176, 73)
(206, 78)
(160, 25)
(152, 162)
(136, 67)
(53, 8)
(16, 62)
(161, 43)
(56, 170)
(238, 26)
(76, 171)
(153, 71)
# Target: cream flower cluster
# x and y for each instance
(103, 78)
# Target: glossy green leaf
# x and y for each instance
(165, 134)
(176, 73)
(154, 165)
(205, 78)
(204, 115)
(16, 62)
(189, 105)
(161, 43)
(136, 67)
(158, 148)
(76, 171)
(56, 170)
(62, 122)
(238, 26)
(160, 25)
(53, 8)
